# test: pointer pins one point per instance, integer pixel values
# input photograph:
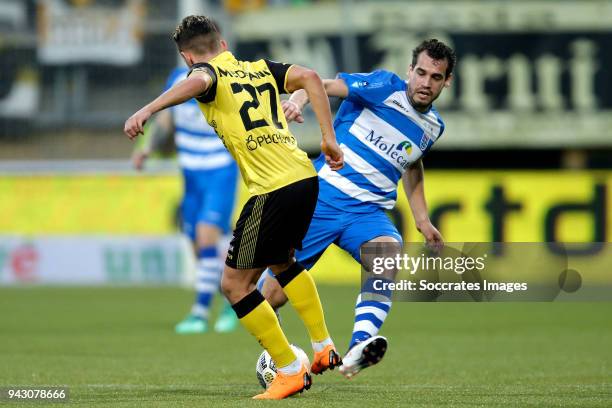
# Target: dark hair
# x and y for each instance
(438, 51)
(199, 34)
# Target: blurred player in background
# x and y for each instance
(209, 180)
(240, 100)
(384, 126)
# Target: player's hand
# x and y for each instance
(433, 238)
(134, 126)
(334, 156)
(138, 159)
(292, 111)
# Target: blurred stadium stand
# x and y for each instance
(531, 88)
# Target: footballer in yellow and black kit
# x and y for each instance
(242, 104)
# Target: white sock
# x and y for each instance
(320, 345)
(371, 311)
(199, 311)
(293, 368)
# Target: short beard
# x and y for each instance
(419, 106)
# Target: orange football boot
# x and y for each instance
(284, 385)
(324, 359)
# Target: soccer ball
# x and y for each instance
(266, 369)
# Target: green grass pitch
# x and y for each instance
(116, 348)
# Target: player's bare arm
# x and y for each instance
(159, 132)
(294, 106)
(194, 86)
(413, 181)
(308, 80)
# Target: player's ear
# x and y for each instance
(223, 45)
(448, 81)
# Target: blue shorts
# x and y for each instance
(348, 230)
(208, 198)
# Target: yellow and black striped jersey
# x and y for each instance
(243, 106)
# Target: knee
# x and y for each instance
(384, 238)
(235, 288)
(276, 269)
(278, 299)
(273, 293)
(207, 235)
(226, 286)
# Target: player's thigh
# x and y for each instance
(217, 198)
(284, 217)
(271, 289)
(245, 234)
(363, 228)
(237, 283)
(190, 206)
(324, 229)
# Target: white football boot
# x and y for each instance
(362, 355)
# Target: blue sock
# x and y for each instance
(371, 310)
(209, 270)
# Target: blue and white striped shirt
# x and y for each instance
(198, 146)
(381, 134)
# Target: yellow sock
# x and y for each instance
(258, 317)
(302, 293)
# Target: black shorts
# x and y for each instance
(272, 225)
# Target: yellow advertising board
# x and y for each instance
(476, 206)
(467, 206)
(516, 206)
(88, 204)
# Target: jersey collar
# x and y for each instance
(224, 56)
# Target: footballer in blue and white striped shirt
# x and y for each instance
(384, 126)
